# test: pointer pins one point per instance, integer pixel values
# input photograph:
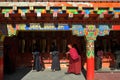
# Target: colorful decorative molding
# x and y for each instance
(35, 26)
(4, 11)
(74, 11)
(20, 26)
(69, 11)
(91, 32)
(103, 30)
(21, 11)
(78, 30)
(40, 10)
(56, 11)
(11, 30)
(90, 49)
(70, 4)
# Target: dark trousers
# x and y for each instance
(98, 63)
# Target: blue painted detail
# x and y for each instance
(24, 10)
(116, 10)
(27, 27)
(78, 30)
(66, 27)
(57, 10)
(103, 30)
(87, 11)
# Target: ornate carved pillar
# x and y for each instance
(91, 34)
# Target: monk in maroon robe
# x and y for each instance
(75, 61)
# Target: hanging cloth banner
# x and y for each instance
(77, 30)
(103, 30)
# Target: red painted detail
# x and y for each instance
(80, 32)
(90, 68)
(1, 68)
(116, 27)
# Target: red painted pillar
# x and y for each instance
(90, 69)
(90, 60)
(1, 61)
(91, 33)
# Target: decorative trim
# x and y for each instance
(74, 4)
(78, 30)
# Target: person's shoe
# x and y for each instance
(78, 74)
(67, 73)
(57, 69)
(37, 70)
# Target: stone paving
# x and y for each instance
(47, 74)
(107, 76)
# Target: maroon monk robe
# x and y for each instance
(75, 62)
